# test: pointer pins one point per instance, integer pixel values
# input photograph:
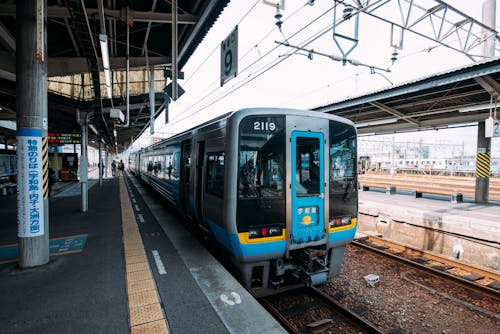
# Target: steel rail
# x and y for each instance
(344, 313)
(351, 316)
(461, 281)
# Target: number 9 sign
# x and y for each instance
(229, 57)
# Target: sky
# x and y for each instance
(269, 76)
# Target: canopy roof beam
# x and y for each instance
(393, 112)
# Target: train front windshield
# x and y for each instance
(343, 173)
(261, 195)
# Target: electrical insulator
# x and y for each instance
(348, 9)
(278, 17)
(394, 56)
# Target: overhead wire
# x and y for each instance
(268, 66)
(247, 80)
(247, 53)
(217, 46)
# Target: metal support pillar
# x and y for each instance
(175, 93)
(56, 161)
(106, 161)
(32, 148)
(152, 100)
(84, 177)
(101, 167)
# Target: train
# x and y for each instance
(276, 188)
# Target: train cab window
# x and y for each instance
(343, 182)
(261, 158)
(307, 166)
(215, 174)
(261, 173)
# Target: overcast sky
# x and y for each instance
(267, 77)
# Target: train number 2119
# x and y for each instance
(264, 126)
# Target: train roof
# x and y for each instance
(241, 113)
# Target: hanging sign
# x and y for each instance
(30, 213)
(492, 128)
(229, 57)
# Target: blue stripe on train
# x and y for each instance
(232, 243)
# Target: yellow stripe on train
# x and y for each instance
(343, 228)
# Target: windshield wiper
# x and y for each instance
(258, 196)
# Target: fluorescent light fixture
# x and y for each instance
(377, 122)
(103, 40)
(474, 107)
(107, 77)
(92, 127)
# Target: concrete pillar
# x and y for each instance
(482, 165)
(32, 148)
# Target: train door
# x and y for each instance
(186, 176)
(308, 191)
(200, 158)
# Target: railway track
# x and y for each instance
(309, 310)
(480, 279)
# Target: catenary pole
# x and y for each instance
(483, 154)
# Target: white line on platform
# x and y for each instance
(141, 218)
(159, 263)
(137, 208)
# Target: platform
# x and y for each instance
(105, 287)
(467, 230)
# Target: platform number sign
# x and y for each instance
(229, 57)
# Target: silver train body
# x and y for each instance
(275, 187)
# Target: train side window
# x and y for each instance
(215, 174)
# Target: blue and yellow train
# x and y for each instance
(275, 187)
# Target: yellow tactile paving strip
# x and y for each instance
(145, 313)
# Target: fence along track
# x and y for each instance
(440, 185)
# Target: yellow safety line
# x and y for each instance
(145, 312)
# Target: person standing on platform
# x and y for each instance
(121, 167)
(113, 168)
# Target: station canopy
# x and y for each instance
(76, 79)
(458, 96)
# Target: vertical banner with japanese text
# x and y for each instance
(30, 212)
